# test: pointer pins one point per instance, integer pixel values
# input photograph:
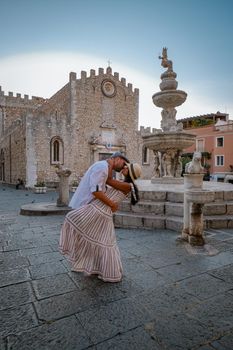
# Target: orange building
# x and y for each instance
(215, 140)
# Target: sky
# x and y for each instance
(42, 41)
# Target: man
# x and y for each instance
(94, 181)
(18, 184)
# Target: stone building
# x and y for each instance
(214, 138)
(86, 120)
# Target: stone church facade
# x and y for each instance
(86, 120)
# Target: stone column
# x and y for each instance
(191, 181)
(185, 231)
(63, 174)
(194, 199)
(191, 213)
(196, 225)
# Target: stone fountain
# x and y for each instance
(168, 143)
(61, 207)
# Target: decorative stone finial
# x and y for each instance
(169, 97)
(168, 77)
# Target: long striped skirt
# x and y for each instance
(88, 240)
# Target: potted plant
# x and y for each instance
(40, 187)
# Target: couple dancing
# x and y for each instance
(88, 235)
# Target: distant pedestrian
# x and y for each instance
(19, 184)
(88, 235)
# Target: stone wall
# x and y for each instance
(13, 107)
(90, 124)
(13, 111)
(13, 145)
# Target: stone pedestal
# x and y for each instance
(63, 174)
(194, 199)
(193, 181)
(196, 224)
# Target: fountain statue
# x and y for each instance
(169, 143)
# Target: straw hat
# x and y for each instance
(135, 170)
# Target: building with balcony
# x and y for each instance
(214, 138)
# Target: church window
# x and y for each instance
(56, 151)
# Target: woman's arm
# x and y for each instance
(119, 185)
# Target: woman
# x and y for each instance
(88, 235)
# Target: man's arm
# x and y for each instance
(102, 196)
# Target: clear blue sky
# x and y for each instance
(198, 34)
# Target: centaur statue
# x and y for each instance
(165, 62)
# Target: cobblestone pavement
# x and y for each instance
(172, 296)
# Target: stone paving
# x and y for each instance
(172, 296)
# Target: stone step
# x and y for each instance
(218, 208)
(150, 221)
(136, 220)
(161, 206)
(175, 208)
(215, 208)
(147, 207)
(161, 196)
(174, 223)
(210, 221)
(155, 196)
(217, 221)
(178, 196)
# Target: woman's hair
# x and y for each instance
(134, 190)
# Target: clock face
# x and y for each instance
(108, 88)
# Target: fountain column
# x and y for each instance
(168, 142)
(194, 199)
(63, 174)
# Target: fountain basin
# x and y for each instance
(168, 84)
(193, 181)
(169, 98)
(168, 140)
(43, 209)
(200, 196)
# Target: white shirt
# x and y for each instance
(94, 180)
